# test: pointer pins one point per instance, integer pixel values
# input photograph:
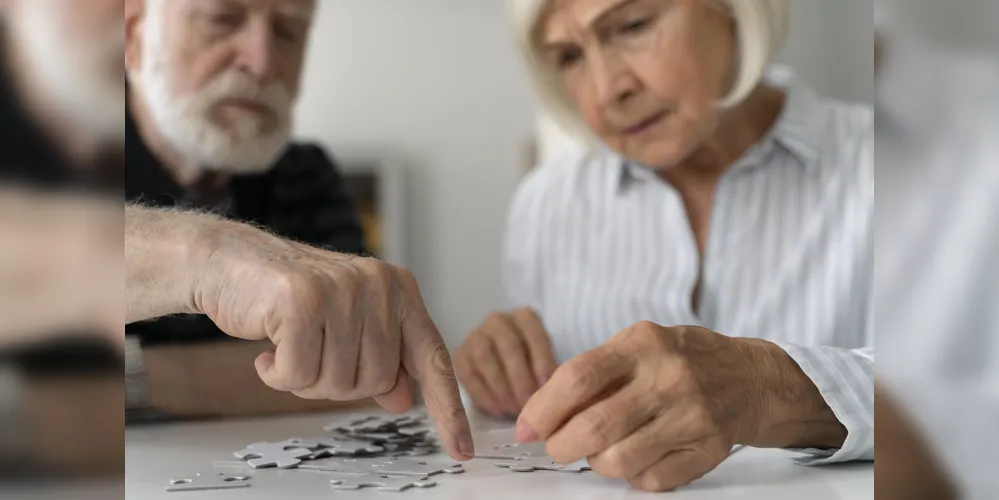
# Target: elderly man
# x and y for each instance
(342, 327)
(212, 86)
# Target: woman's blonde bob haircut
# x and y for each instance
(761, 26)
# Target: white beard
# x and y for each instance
(74, 76)
(185, 123)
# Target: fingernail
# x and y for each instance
(466, 446)
(525, 434)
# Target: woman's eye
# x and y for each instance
(635, 26)
(567, 59)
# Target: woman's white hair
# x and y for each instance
(761, 26)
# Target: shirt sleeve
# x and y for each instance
(845, 378)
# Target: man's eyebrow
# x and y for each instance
(299, 12)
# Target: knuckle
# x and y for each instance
(341, 386)
(507, 342)
(297, 285)
(494, 322)
(647, 331)
(378, 275)
(384, 383)
(645, 327)
(595, 424)
(611, 463)
(655, 483)
(479, 348)
(440, 361)
(527, 314)
(404, 277)
(582, 373)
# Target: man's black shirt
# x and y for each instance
(301, 198)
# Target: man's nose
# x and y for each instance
(257, 54)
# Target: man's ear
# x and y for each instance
(134, 13)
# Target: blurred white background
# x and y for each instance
(436, 87)
(970, 24)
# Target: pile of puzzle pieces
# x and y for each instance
(384, 452)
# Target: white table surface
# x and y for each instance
(156, 454)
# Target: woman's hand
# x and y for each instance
(504, 361)
(661, 407)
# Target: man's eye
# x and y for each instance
(227, 20)
(285, 32)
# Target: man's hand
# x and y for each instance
(343, 327)
(660, 407)
(504, 361)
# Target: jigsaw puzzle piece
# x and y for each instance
(334, 445)
(530, 464)
(416, 467)
(381, 482)
(202, 482)
(282, 455)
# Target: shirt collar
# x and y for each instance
(801, 129)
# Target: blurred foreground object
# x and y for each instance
(61, 231)
(937, 270)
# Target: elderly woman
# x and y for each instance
(713, 194)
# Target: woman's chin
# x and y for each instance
(658, 156)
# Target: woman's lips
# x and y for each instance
(645, 124)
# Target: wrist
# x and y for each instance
(165, 256)
(788, 409)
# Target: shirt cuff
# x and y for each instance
(845, 378)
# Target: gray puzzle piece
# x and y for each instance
(203, 482)
(415, 431)
(416, 467)
(386, 466)
(415, 452)
(334, 445)
(377, 437)
(341, 464)
(281, 455)
(576, 467)
(536, 450)
(531, 464)
(350, 422)
(381, 482)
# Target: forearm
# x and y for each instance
(819, 400)
(219, 380)
(166, 253)
(794, 413)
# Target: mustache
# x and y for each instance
(238, 85)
